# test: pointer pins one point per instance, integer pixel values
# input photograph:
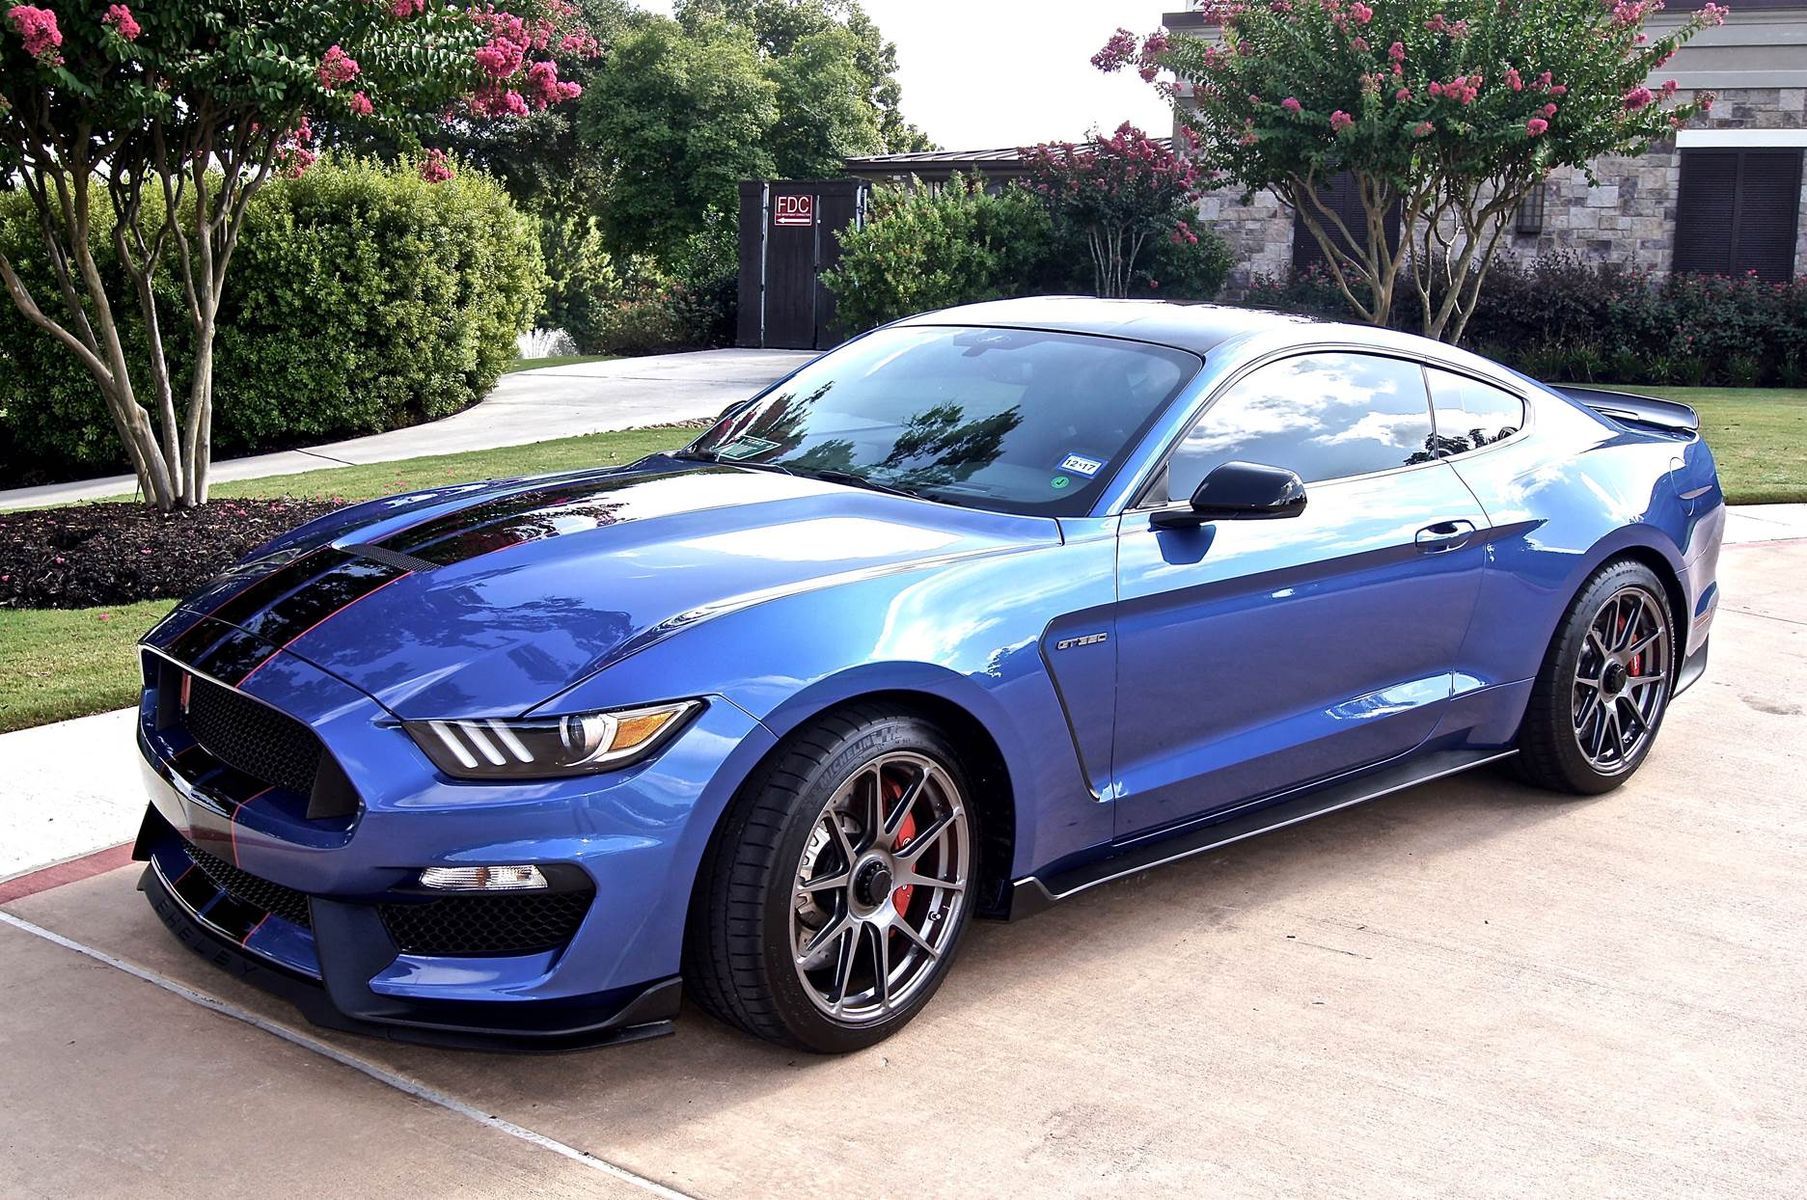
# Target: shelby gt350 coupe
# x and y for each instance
(969, 615)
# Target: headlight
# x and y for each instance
(540, 747)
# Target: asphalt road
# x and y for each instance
(1472, 989)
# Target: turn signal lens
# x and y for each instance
(542, 747)
(483, 879)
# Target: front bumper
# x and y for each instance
(629, 1015)
(307, 905)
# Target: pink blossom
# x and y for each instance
(1714, 14)
(1402, 95)
(1513, 80)
(1637, 98)
(401, 10)
(336, 68)
(361, 105)
(1536, 126)
(435, 167)
(1423, 129)
(1340, 120)
(1396, 52)
(1117, 52)
(36, 27)
(1290, 104)
(1360, 13)
(1359, 45)
(120, 20)
(1549, 110)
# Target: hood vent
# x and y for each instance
(390, 558)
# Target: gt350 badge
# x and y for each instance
(1090, 639)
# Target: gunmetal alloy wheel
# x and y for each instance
(1599, 697)
(1621, 679)
(880, 887)
(835, 892)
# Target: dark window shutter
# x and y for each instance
(1738, 211)
(1343, 198)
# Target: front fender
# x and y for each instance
(931, 633)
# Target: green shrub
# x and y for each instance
(1560, 317)
(360, 299)
(923, 249)
(581, 280)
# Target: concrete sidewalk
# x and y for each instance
(526, 406)
(1467, 989)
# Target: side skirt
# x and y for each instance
(1033, 893)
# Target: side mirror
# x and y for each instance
(1239, 491)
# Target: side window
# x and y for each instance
(1471, 414)
(1324, 416)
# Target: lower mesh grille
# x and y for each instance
(484, 925)
(284, 902)
(263, 743)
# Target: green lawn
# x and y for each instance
(1758, 436)
(60, 664)
(554, 360)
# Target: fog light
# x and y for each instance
(483, 879)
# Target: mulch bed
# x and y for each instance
(87, 555)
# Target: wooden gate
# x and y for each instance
(788, 239)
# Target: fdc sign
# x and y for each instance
(793, 210)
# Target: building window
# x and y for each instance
(1343, 197)
(1529, 222)
(1737, 211)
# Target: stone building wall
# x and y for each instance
(1628, 218)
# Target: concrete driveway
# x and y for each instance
(526, 406)
(1470, 989)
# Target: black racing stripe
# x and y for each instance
(233, 656)
(289, 577)
(512, 520)
(289, 616)
(193, 644)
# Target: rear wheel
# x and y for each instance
(837, 891)
(1605, 684)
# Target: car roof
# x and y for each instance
(1195, 327)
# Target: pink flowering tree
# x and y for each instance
(1116, 192)
(148, 129)
(1448, 111)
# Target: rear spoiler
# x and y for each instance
(1668, 415)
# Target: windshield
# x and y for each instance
(1007, 419)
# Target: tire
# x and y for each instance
(1590, 724)
(889, 882)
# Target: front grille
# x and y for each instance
(284, 902)
(254, 738)
(482, 925)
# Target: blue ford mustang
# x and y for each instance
(965, 617)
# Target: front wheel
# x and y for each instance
(831, 904)
(1605, 684)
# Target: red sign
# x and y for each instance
(793, 210)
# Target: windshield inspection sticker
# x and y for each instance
(746, 447)
(1079, 464)
(1059, 482)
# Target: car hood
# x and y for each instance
(493, 601)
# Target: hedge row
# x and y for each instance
(360, 299)
(1559, 317)
(927, 248)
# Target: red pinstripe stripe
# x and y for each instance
(323, 620)
(232, 822)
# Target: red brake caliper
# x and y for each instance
(900, 898)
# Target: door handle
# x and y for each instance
(1444, 536)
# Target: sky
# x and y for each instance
(983, 74)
